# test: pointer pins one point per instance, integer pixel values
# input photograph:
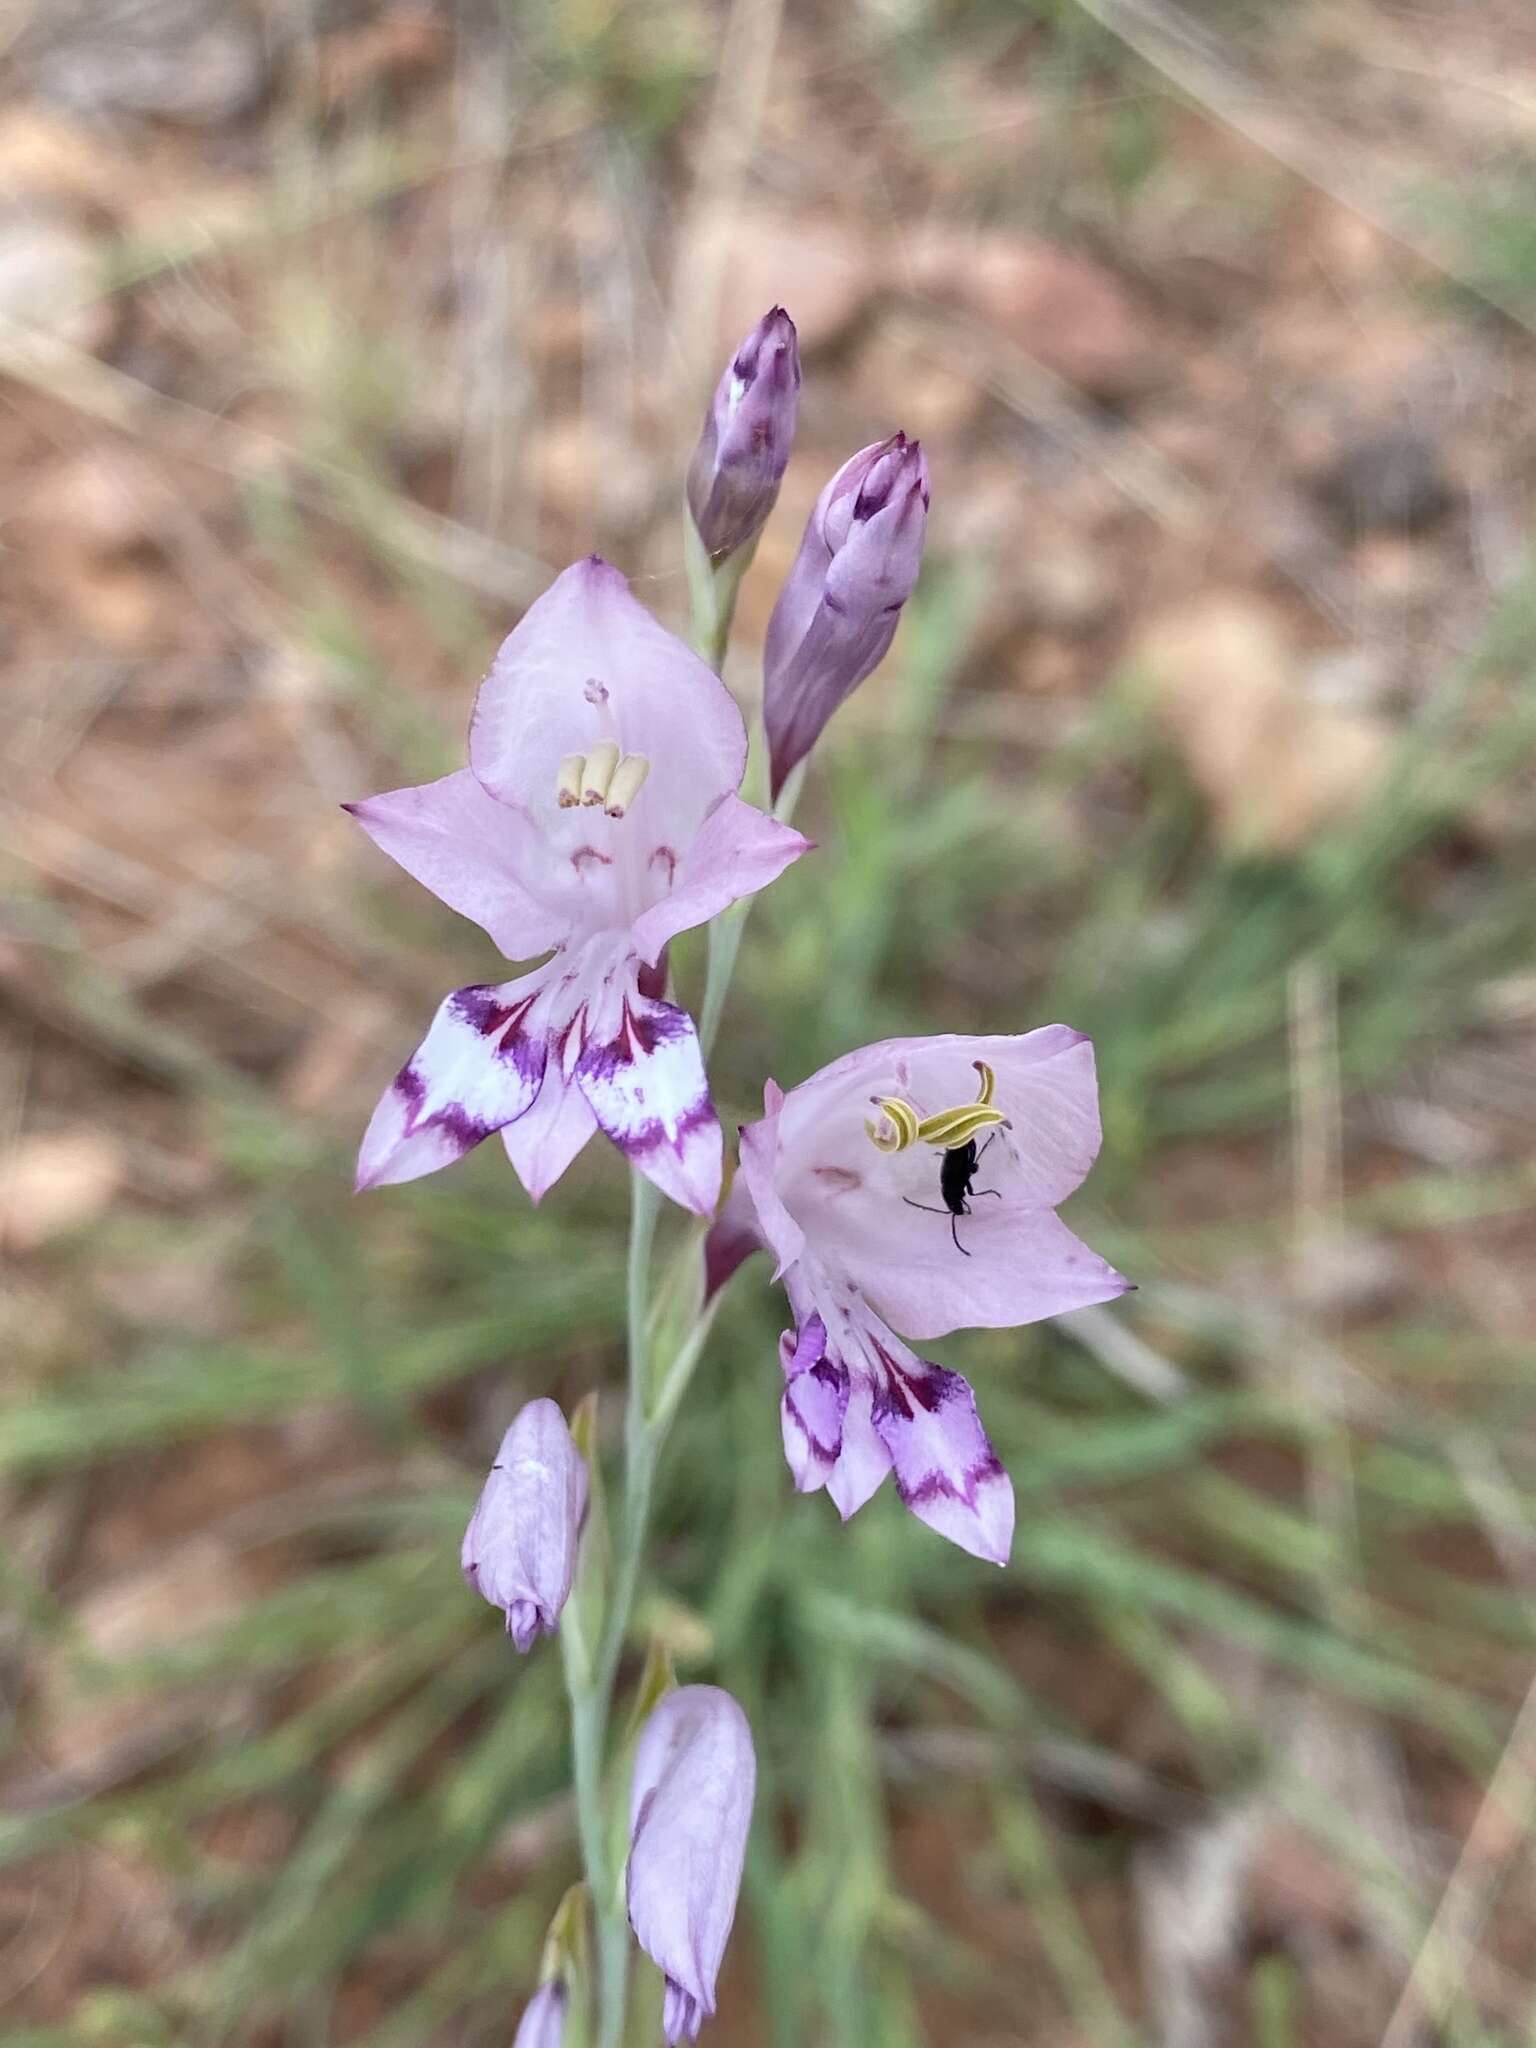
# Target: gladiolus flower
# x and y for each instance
(690, 1805)
(520, 1547)
(838, 611)
(861, 1183)
(734, 477)
(598, 818)
(543, 2022)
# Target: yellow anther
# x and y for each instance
(900, 1126)
(568, 781)
(598, 772)
(946, 1129)
(626, 783)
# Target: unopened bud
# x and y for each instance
(520, 1547)
(838, 611)
(733, 479)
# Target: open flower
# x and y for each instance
(598, 817)
(690, 1805)
(519, 1550)
(913, 1185)
(841, 602)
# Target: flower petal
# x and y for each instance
(690, 1805)
(947, 1472)
(480, 857)
(739, 850)
(476, 1070)
(588, 663)
(812, 1410)
(733, 1236)
(542, 1144)
(1020, 1269)
(864, 1458)
(647, 1089)
(867, 1211)
(760, 1149)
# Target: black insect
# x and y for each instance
(957, 1171)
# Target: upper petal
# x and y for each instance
(588, 663)
(739, 850)
(478, 1068)
(868, 1211)
(481, 857)
(647, 1088)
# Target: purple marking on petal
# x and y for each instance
(947, 1472)
(806, 1348)
(647, 1088)
(811, 1417)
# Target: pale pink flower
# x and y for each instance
(598, 817)
(867, 1244)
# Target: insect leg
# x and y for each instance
(926, 1207)
(954, 1231)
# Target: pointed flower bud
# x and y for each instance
(520, 1547)
(838, 610)
(690, 1804)
(543, 2022)
(733, 479)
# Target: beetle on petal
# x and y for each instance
(597, 819)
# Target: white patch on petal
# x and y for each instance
(478, 1069)
(647, 1089)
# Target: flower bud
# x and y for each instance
(690, 1804)
(733, 479)
(838, 610)
(543, 2022)
(520, 1547)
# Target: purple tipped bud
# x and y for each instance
(839, 607)
(690, 1804)
(543, 2022)
(733, 479)
(520, 1547)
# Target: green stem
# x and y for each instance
(592, 1695)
